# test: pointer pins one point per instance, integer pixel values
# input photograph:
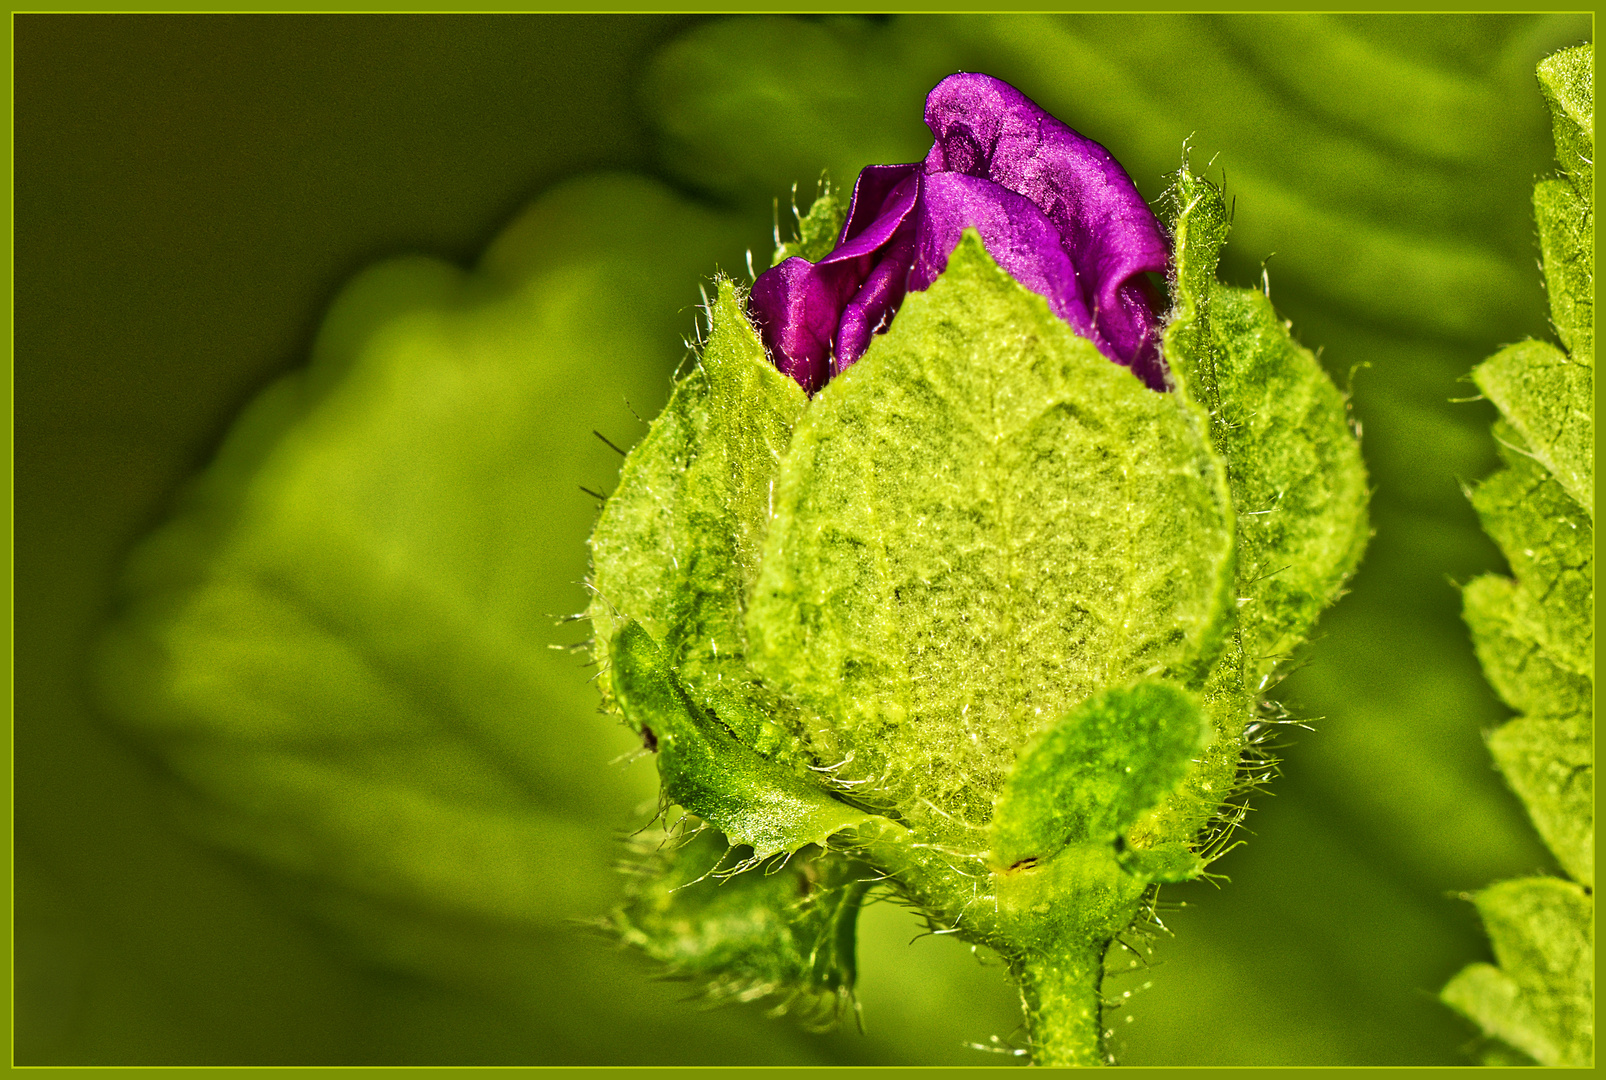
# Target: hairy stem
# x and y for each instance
(1060, 993)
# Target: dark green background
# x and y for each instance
(191, 192)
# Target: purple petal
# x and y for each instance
(1018, 235)
(1139, 332)
(872, 307)
(871, 192)
(796, 307)
(988, 129)
(801, 309)
(1054, 210)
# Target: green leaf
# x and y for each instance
(1550, 764)
(979, 524)
(1563, 207)
(1566, 244)
(1534, 632)
(786, 932)
(1549, 543)
(1517, 653)
(706, 771)
(1541, 998)
(1548, 399)
(1089, 777)
(1567, 80)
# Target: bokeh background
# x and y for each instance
(191, 196)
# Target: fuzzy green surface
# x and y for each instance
(752, 800)
(788, 932)
(677, 544)
(1534, 631)
(1298, 483)
(1541, 997)
(977, 525)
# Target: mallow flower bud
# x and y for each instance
(911, 584)
(1054, 210)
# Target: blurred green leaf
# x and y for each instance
(340, 641)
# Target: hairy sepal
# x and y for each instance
(978, 525)
(677, 545)
(1298, 487)
(819, 229)
(707, 771)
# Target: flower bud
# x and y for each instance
(910, 574)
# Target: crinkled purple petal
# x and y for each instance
(871, 192)
(1018, 235)
(807, 313)
(896, 206)
(1054, 210)
(872, 307)
(796, 307)
(986, 128)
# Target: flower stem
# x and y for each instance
(1060, 993)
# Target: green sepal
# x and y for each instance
(706, 771)
(979, 524)
(1169, 862)
(1298, 482)
(1199, 224)
(787, 932)
(1090, 777)
(678, 542)
(1540, 999)
(1299, 486)
(817, 230)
